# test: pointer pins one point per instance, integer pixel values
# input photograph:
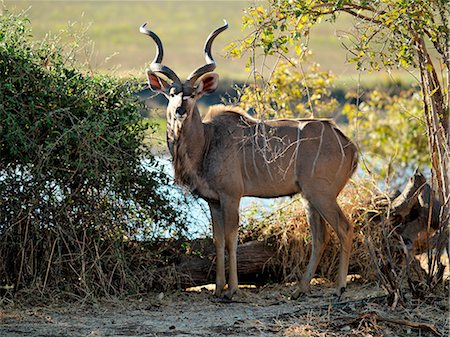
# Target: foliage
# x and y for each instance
(292, 91)
(76, 184)
(390, 131)
(383, 34)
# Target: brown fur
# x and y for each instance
(219, 110)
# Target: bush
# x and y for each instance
(77, 185)
(391, 133)
(291, 91)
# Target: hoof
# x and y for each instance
(298, 293)
(219, 291)
(228, 295)
(224, 297)
(339, 293)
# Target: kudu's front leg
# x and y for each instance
(230, 210)
(225, 217)
(219, 243)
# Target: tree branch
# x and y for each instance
(350, 9)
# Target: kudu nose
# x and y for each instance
(180, 112)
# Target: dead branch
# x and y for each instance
(416, 325)
(402, 205)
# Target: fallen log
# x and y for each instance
(254, 264)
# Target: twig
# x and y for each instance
(417, 325)
(49, 264)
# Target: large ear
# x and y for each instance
(208, 84)
(157, 84)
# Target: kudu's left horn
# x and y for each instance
(210, 63)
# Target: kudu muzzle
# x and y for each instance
(182, 109)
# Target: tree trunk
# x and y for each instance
(437, 120)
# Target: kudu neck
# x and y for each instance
(193, 134)
(188, 156)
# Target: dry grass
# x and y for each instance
(378, 252)
(288, 230)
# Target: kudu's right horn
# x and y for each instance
(156, 64)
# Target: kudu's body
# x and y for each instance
(228, 155)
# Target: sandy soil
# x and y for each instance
(253, 312)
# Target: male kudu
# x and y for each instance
(229, 154)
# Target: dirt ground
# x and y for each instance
(264, 311)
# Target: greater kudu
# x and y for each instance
(229, 154)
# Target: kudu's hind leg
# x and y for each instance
(219, 243)
(320, 239)
(332, 213)
(346, 237)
